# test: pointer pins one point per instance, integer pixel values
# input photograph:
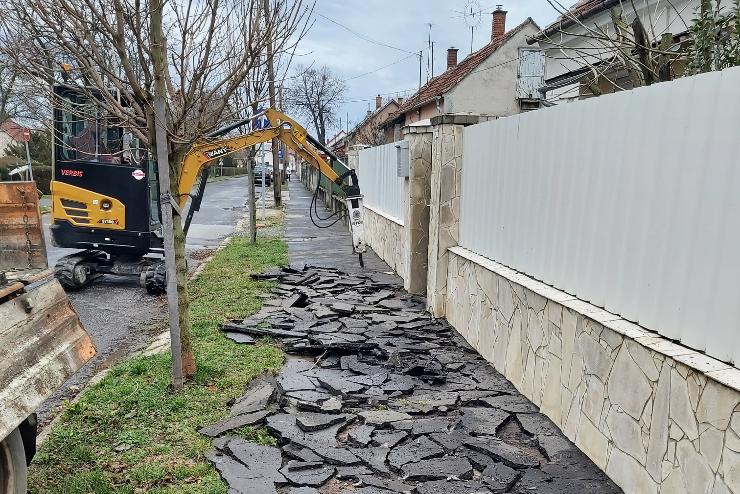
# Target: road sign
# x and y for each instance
(261, 122)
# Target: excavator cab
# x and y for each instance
(105, 194)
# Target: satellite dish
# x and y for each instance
(473, 14)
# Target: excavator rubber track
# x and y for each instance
(155, 279)
(77, 270)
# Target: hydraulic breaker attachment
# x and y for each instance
(356, 223)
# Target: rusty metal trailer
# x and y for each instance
(42, 342)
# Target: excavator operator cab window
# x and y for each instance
(84, 132)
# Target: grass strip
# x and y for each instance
(129, 433)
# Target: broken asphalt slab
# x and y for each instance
(378, 396)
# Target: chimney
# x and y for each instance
(378, 102)
(400, 100)
(499, 23)
(451, 57)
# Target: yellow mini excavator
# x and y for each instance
(105, 191)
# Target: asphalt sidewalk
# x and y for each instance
(377, 397)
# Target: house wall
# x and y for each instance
(5, 141)
(491, 88)
(424, 112)
(571, 51)
(363, 133)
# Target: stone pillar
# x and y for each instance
(444, 210)
(417, 209)
(353, 158)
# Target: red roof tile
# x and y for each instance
(581, 10)
(14, 130)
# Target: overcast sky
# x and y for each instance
(403, 25)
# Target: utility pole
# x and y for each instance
(165, 196)
(277, 180)
(421, 61)
(26, 139)
(281, 146)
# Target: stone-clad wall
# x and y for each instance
(417, 209)
(388, 239)
(655, 416)
(404, 246)
(444, 208)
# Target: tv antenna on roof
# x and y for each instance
(473, 14)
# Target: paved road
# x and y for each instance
(117, 313)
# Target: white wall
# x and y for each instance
(5, 141)
(384, 191)
(629, 201)
(490, 89)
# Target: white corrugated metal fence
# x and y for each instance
(630, 201)
(383, 189)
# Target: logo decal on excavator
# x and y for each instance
(215, 153)
(106, 221)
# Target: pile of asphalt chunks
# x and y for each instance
(377, 397)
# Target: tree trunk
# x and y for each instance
(188, 357)
(158, 47)
(181, 261)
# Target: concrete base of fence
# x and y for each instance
(657, 417)
(386, 236)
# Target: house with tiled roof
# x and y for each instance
(370, 132)
(579, 63)
(498, 80)
(12, 132)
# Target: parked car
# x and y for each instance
(258, 171)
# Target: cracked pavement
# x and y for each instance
(377, 397)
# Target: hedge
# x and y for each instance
(41, 174)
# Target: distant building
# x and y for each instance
(12, 133)
(370, 131)
(500, 79)
(337, 144)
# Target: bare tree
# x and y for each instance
(368, 132)
(211, 48)
(8, 76)
(316, 94)
(631, 44)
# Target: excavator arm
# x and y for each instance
(293, 135)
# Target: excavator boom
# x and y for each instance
(294, 136)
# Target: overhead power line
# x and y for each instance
(365, 37)
(383, 67)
